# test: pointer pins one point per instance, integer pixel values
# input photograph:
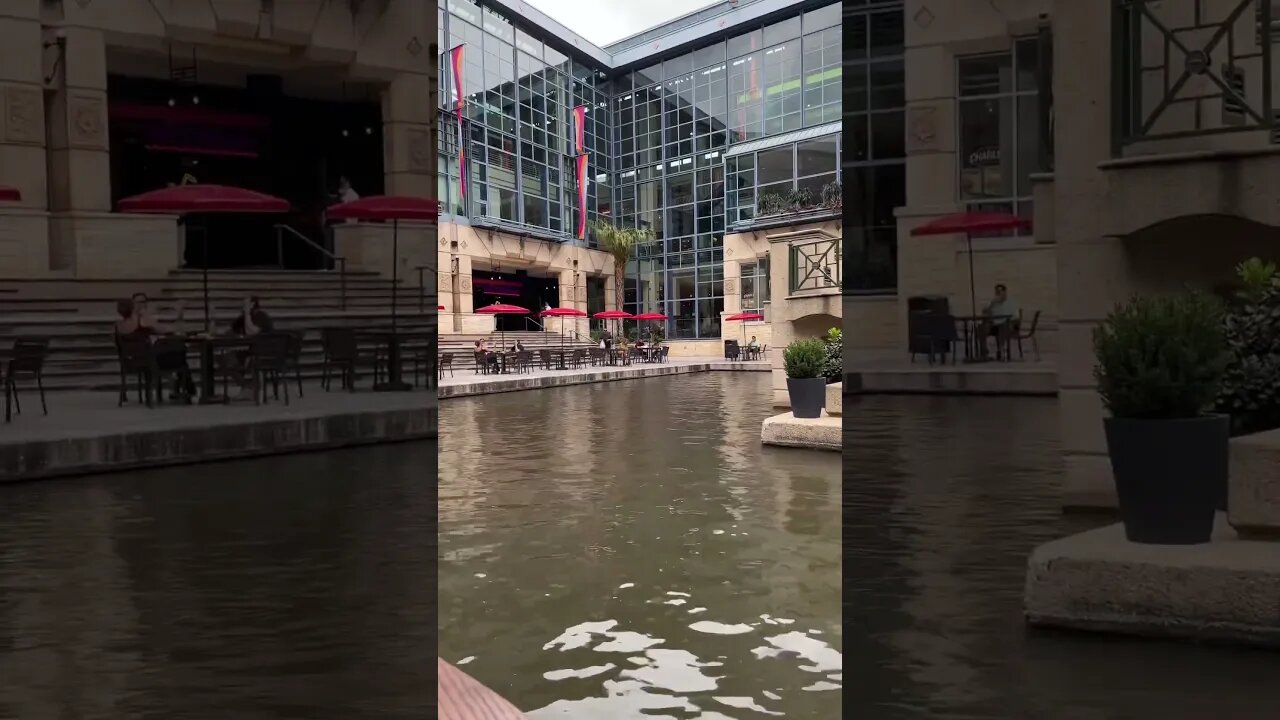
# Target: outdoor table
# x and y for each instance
(208, 378)
(559, 355)
(974, 350)
(750, 353)
(393, 339)
(619, 356)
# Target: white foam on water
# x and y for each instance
(638, 660)
(825, 658)
(717, 628)
(624, 586)
(836, 676)
(580, 635)
(717, 532)
(771, 696)
(695, 611)
(677, 671)
(744, 703)
(675, 601)
(466, 660)
(820, 686)
(623, 699)
(586, 672)
(678, 594)
(626, 641)
(784, 621)
(481, 575)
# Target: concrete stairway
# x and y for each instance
(77, 316)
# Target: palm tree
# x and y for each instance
(620, 242)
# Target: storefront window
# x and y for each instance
(999, 128)
(754, 279)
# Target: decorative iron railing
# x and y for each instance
(814, 265)
(1184, 68)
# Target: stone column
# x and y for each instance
(24, 234)
(79, 162)
(408, 132)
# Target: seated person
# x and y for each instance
(754, 345)
(252, 319)
(518, 347)
(170, 355)
(1002, 315)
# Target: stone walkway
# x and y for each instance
(465, 381)
(86, 432)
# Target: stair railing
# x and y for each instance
(339, 261)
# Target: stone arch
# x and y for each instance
(813, 325)
(1200, 251)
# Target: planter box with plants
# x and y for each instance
(1160, 367)
(805, 362)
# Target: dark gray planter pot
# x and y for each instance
(808, 396)
(1171, 475)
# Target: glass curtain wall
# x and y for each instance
(874, 156)
(675, 119)
(519, 97)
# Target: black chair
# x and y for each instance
(296, 340)
(580, 358)
(136, 360)
(341, 353)
(422, 353)
(1030, 334)
(268, 363)
(445, 363)
(481, 362)
(169, 356)
(942, 334)
(596, 356)
(524, 360)
(26, 359)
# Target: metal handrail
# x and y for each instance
(339, 261)
(422, 286)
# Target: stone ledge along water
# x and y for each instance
(86, 433)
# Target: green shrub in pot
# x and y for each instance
(1250, 391)
(1160, 363)
(805, 362)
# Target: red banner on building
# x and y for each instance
(455, 63)
(580, 128)
(582, 196)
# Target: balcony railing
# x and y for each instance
(1186, 68)
(814, 265)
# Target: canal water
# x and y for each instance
(629, 550)
(289, 587)
(945, 498)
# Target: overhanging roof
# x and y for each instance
(784, 139)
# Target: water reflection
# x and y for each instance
(637, 546)
(297, 586)
(945, 499)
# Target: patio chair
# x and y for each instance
(544, 357)
(296, 340)
(580, 357)
(169, 360)
(1030, 334)
(481, 362)
(595, 355)
(341, 353)
(137, 361)
(27, 359)
(422, 353)
(666, 350)
(524, 361)
(268, 363)
(732, 352)
(445, 363)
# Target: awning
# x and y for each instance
(183, 199)
(784, 139)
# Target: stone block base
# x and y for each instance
(1098, 581)
(787, 430)
(1254, 487)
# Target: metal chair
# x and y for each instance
(27, 358)
(1030, 334)
(268, 362)
(136, 360)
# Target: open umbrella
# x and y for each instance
(614, 315)
(185, 200)
(381, 208)
(9, 194)
(502, 309)
(969, 223)
(561, 312)
(650, 317)
(743, 318)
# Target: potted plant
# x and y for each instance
(1160, 366)
(804, 361)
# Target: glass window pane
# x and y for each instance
(709, 55)
(885, 30)
(788, 29)
(1028, 142)
(888, 138)
(986, 148)
(682, 65)
(1027, 61)
(774, 165)
(824, 17)
(888, 85)
(816, 156)
(986, 75)
(743, 44)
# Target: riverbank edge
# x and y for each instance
(545, 382)
(44, 459)
(1097, 581)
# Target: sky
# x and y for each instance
(606, 21)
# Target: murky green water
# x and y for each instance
(629, 550)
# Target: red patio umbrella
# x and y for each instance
(9, 194)
(743, 317)
(502, 309)
(614, 315)
(653, 316)
(381, 208)
(969, 223)
(561, 312)
(185, 200)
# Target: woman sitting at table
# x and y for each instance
(170, 356)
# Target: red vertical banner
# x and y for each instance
(580, 128)
(582, 196)
(455, 63)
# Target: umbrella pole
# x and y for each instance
(973, 293)
(204, 278)
(395, 269)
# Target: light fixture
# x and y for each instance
(172, 102)
(195, 99)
